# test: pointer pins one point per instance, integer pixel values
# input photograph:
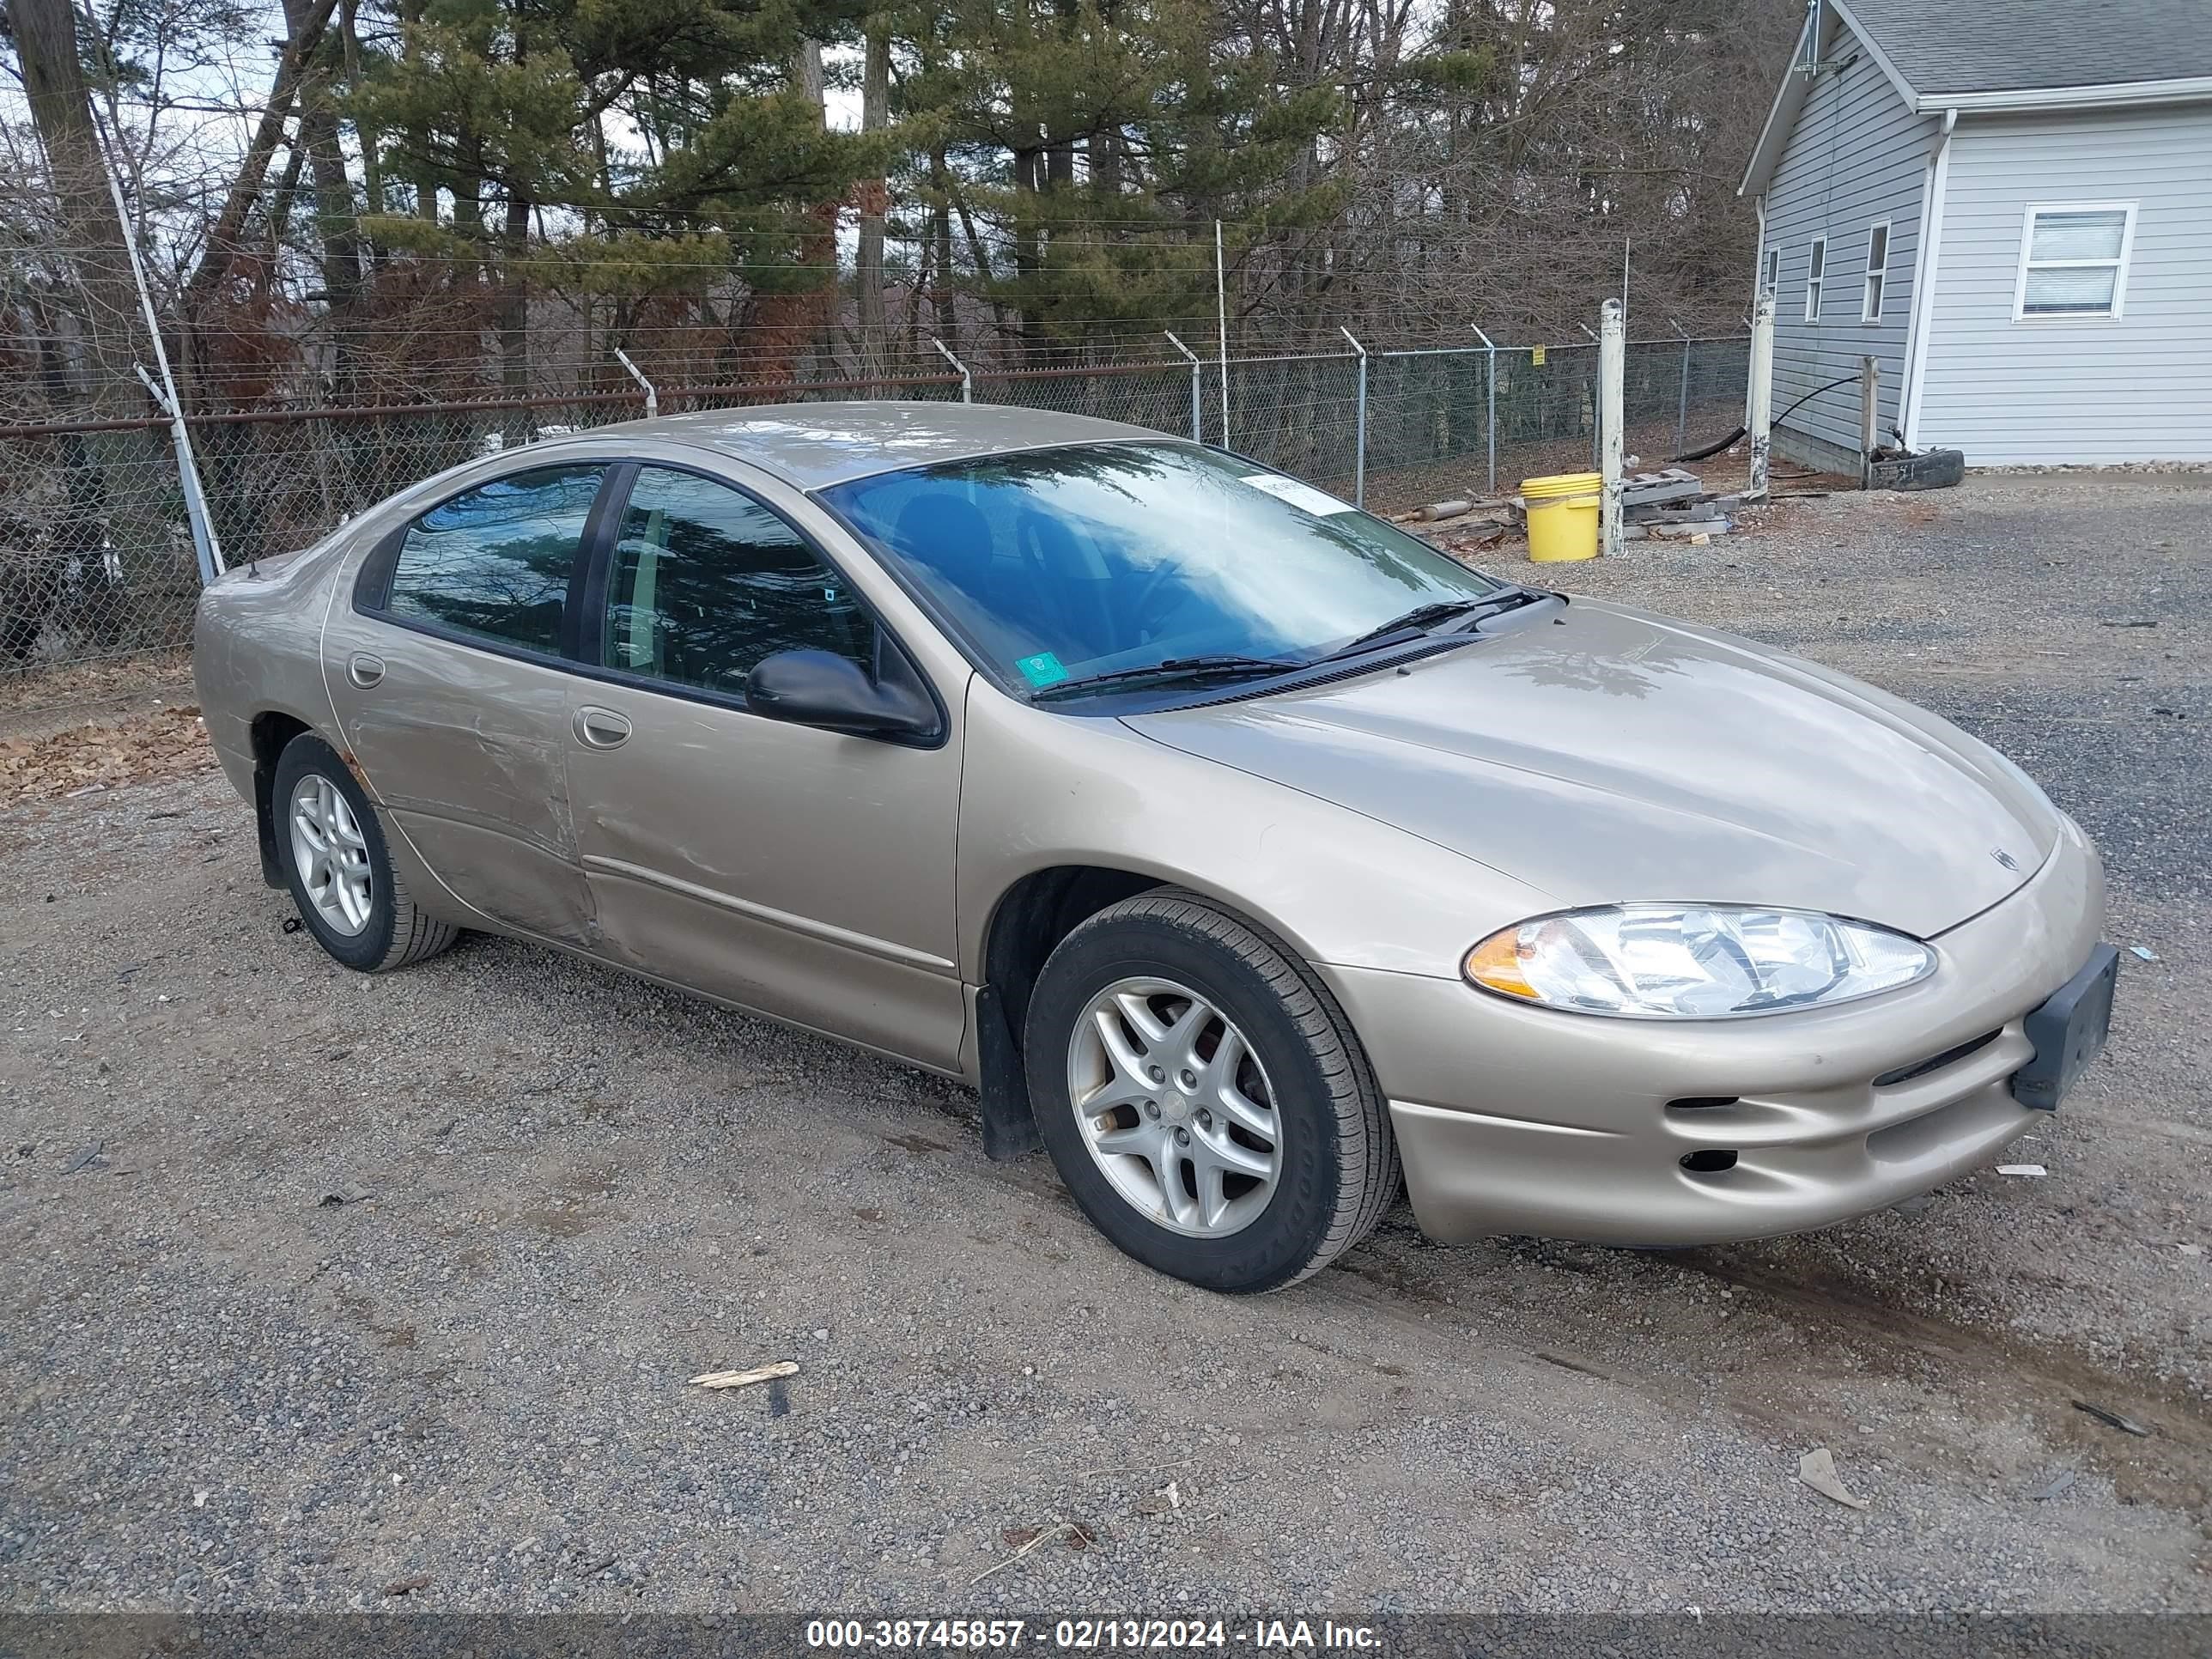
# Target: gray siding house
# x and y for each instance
(2009, 205)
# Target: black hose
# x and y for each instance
(1714, 448)
(1710, 449)
(1846, 380)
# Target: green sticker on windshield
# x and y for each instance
(1042, 669)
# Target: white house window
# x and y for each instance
(1877, 270)
(2074, 259)
(1816, 270)
(1769, 272)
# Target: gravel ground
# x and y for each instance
(569, 1192)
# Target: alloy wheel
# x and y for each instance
(1174, 1106)
(332, 854)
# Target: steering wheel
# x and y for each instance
(1148, 595)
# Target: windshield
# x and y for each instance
(1064, 564)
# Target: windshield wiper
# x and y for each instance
(1217, 667)
(1425, 618)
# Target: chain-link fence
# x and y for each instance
(97, 556)
(1455, 422)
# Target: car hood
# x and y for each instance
(1605, 756)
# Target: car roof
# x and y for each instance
(814, 445)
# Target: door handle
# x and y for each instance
(601, 728)
(364, 670)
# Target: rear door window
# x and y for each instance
(496, 562)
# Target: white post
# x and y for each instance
(1490, 383)
(1221, 323)
(1869, 416)
(967, 380)
(1611, 356)
(1197, 398)
(1760, 410)
(1759, 265)
(651, 397)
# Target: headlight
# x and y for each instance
(1693, 961)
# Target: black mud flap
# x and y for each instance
(1009, 1124)
(264, 824)
(2069, 1031)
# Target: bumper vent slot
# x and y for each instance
(1937, 1062)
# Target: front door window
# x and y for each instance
(705, 581)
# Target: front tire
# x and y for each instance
(1203, 1097)
(331, 843)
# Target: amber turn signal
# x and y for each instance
(1495, 964)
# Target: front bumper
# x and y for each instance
(1519, 1119)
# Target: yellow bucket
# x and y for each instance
(1561, 516)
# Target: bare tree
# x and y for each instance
(45, 32)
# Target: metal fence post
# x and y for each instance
(967, 380)
(1682, 399)
(1197, 394)
(1612, 354)
(205, 549)
(1221, 323)
(1359, 452)
(651, 397)
(1490, 380)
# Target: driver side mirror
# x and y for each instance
(824, 689)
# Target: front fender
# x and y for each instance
(1041, 790)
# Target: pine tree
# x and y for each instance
(509, 108)
(1088, 146)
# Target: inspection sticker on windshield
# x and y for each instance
(1303, 496)
(1042, 669)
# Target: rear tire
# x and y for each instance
(330, 845)
(1204, 1097)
